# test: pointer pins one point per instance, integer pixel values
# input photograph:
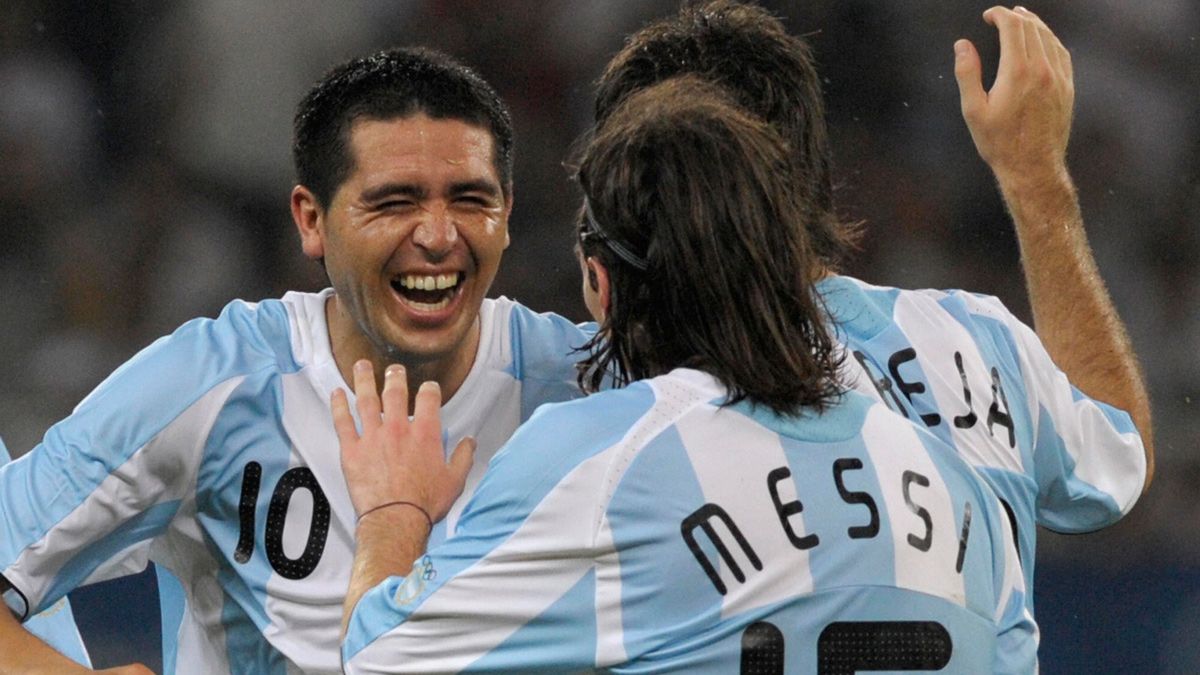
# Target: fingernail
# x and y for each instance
(432, 384)
(1019, 8)
(362, 365)
(960, 48)
(393, 370)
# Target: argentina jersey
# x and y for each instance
(648, 529)
(963, 367)
(212, 453)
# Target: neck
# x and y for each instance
(350, 345)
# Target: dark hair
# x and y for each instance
(747, 50)
(684, 182)
(389, 85)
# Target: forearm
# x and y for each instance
(22, 653)
(1073, 313)
(388, 542)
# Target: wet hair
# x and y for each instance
(690, 207)
(748, 51)
(393, 84)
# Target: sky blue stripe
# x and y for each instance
(562, 638)
(248, 429)
(1119, 419)
(544, 356)
(1073, 506)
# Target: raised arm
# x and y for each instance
(1020, 128)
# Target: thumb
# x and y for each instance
(969, 73)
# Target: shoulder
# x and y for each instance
(542, 345)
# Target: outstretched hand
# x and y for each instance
(1021, 125)
(397, 459)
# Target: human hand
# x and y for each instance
(1021, 125)
(397, 459)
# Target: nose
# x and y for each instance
(437, 232)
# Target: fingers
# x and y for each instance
(968, 71)
(1012, 38)
(427, 410)
(343, 421)
(1055, 52)
(368, 399)
(395, 395)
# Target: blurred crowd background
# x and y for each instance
(145, 172)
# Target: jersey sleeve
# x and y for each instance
(1089, 462)
(515, 589)
(545, 349)
(110, 477)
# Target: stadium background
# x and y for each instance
(145, 171)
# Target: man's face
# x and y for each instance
(413, 238)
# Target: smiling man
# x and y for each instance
(212, 452)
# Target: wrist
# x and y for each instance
(398, 509)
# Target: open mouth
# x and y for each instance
(428, 292)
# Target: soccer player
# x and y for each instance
(730, 508)
(1041, 416)
(212, 452)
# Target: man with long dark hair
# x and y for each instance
(1051, 419)
(730, 507)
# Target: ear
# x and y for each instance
(310, 221)
(599, 280)
(508, 206)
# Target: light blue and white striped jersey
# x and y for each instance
(56, 625)
(212, 452)
(647, 529)
(964, 367)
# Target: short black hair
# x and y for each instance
(391, 84)
(690, 205)
(769, 72)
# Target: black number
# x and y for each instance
(762, 649)
(847, 647)
(850, 497)
(700, 518)
(962, 539)
(251, 480)
(294, 479)
(788, 510)
(919, 543)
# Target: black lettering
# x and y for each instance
(701, 518)
(998, 416)
(909, 388)
(883, 385)
(962, 539)
(919, 543)
(788, 510)
(850, 497)
(964, 421)
(251, 480)
(294, 479)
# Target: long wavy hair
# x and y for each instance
(691, 206)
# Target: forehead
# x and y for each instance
(419, 147)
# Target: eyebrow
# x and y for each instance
(485, 186)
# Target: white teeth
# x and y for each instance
(429, 282)
(429, 306)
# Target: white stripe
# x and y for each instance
(935, 336)
(732, 456)
(610, 628)
(894, 448)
